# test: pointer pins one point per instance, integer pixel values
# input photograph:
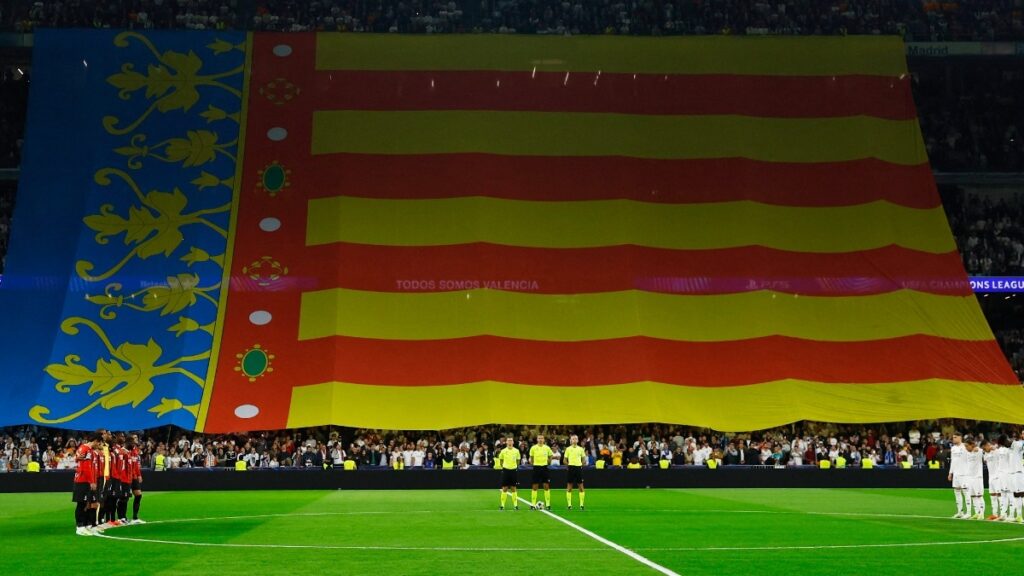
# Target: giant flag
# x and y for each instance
(234, 232)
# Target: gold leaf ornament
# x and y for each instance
(199, 148)
(183, 326)
(168, 405)
(178, 294)
(212, 114)
(116, 384)
(182, 81)
(126, 81)
(70, 373)
(107, 223)
(195, 255)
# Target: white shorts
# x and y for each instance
(959, 482)
(974, 486)
(1015, 482)
(997, 484)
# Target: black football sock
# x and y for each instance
(135, 507)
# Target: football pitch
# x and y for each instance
(673, 531)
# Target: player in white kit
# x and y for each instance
(956, 455)
(997, 458)
(1015, 482)
(972, 474)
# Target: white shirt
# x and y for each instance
(1002, 460)
(956, 458)
(1017, 457)
(971, 464)
(417, 458)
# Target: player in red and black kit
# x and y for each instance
(135, 474)
(116, 502)
(125, 472)
(101, 464)
(84, 494)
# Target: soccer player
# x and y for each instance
(1016, 477)
(997, 459)
(575, 457)
(124, 480)
(84, 493)
(101, 463)
(971, 470)
(508, 458)
(135, 473)
(112, 497)
(540, 456)
(956, 454)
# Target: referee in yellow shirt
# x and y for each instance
(575, 457)
(508, 458)
(540, 457)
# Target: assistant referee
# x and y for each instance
(508, 458)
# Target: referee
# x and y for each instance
(508, 458)
(575, 457)
(540, 456)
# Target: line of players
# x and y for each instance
(540, 456)
(1005, 461)
(108, 474)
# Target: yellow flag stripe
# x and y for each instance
(814, 56)
(749, 407)
(595, 223)
(633, 135)
(605, 315)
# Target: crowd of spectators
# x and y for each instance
(920, 20)
(971, 119)
(634, 446)
(1011, 340)
(989, 230)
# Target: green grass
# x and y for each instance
(414, 532)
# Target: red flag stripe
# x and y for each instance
(613, 268)
(767, 96)
(582, 178)
(721, 364)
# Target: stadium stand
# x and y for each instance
(977, 20)
(802, 444)
(970, 119)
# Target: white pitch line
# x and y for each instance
(607, 542)
(611, 546)
(831, 546)
(288, 515)
(330, 547)
(789, 512)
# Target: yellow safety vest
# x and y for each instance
(633, 466)
(240, 466)
(399, 464)
(712, 463)
(158, 463)
(906, 465)
(664, 464)
(599, 464)
(867, 463)
(934, 465)
(824, 464)
(450, 464)
(349, 465)
(33, 466)
(840, 462)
